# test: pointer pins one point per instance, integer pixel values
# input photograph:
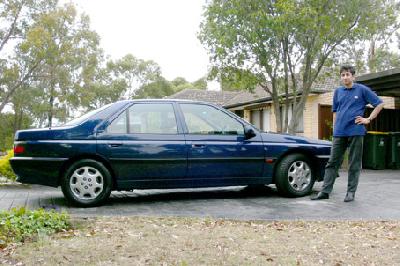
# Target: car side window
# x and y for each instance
(119, 125)
(152, 118)
(205, 119)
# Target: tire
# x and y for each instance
(294, 176)
(87, 183)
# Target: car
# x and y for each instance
(163, 144)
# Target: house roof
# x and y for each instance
(232, 99)
(325, 83)
(215, 97)
(385, 83)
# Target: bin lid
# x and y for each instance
(377, 133)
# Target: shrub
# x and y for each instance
(5, 167)
(17, 225)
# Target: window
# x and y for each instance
(146, 119)
(255, 118)
(84, 117)
(152, 118)
(118, 126)
(239, 113)
(300, 124)
(204, 119)
(266, 117)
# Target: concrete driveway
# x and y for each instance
(378, 198)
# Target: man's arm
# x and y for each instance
(361, 120)
(334, 119)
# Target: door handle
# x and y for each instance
(114, 144)
(197, 146)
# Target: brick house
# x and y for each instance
(315, 121)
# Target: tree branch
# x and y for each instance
(12, 28)
(17, 85)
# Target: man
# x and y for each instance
(348, 108)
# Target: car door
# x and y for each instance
(144, 144)
(217, 146)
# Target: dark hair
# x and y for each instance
(348, 68)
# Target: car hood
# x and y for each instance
(287, 138)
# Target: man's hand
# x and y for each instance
(362, 121)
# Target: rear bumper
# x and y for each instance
(35, 170)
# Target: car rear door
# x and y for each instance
(217, 147)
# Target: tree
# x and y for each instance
(66, 47)
(156, 89)
(134, 72)
(16, 18)
(200, 84)
(162, 87)
(282, 45)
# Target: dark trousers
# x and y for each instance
(339, 147)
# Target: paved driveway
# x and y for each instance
(378, 197)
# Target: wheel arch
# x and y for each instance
(312, 159)
(83, 156)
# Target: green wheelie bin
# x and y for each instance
(393, 151)
(374, 154)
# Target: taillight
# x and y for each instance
(18, 149)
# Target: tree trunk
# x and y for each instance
(276, 105)
(286, 80)
(50, 111)
(372, 57)
(51, 105)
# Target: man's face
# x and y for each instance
(347, 78)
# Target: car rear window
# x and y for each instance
(84, 117)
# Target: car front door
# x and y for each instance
(217, 146)
(145, 145)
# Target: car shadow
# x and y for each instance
(171, 195)
(198, 194)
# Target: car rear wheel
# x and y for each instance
(87, 183)
(294, 176)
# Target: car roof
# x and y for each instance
(165, 100)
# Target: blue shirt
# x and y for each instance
(348, 104)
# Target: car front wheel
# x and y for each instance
(294, 176)
(87, 183)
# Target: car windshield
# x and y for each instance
(82, 118)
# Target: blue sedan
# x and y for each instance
(148, 144)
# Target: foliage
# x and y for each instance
(200, 84)
(155, 89)
(65, 47)
(375, 51)
(6, 131)
(17, 225)
(16, 18)
(283, 45)
(5, 167)
(162, 87)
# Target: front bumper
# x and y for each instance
(38, 170)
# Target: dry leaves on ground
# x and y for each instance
(190, 241)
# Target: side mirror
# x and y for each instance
(249, 132)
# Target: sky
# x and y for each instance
(164, 31)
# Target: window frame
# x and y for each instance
(185, 126)
(127, 117)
